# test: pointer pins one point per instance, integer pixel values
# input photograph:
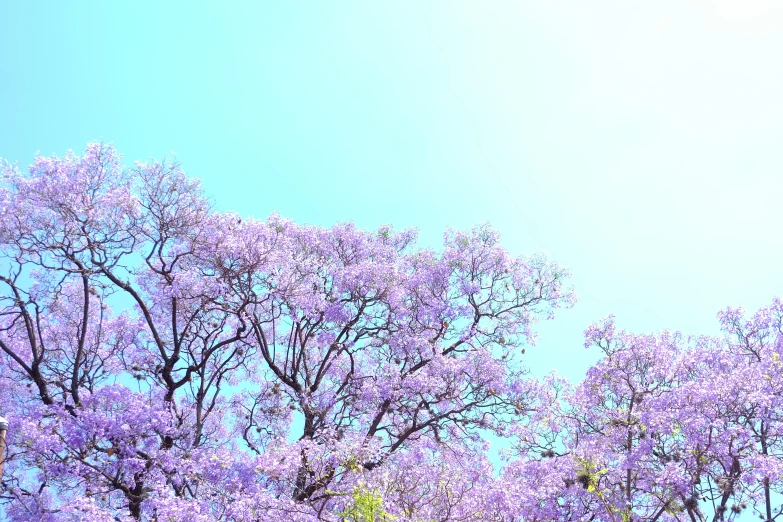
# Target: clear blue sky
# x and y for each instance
(638, 143)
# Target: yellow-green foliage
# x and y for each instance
(367, 507)
(589, 478)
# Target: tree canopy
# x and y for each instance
(160, 360)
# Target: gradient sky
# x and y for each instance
(638, 143)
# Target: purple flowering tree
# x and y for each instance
(755, 345)
(163, 361)
(663, 428)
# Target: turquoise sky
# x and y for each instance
(638, 143)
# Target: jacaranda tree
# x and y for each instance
(164, 361)
(662, 428)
